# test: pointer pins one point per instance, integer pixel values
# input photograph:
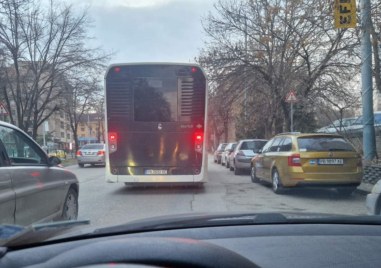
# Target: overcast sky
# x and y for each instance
(148, 30)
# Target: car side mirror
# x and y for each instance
(258, 151)
(54, 161)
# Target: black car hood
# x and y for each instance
(189, 220)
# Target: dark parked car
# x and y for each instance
(33, 187)
(218, 153)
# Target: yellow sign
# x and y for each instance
(345, 14)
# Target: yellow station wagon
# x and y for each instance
(294, 159)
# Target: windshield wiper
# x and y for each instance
(14, 235)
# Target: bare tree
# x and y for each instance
(282, 44)
(80, 97)
(375, 32)
(44, 46)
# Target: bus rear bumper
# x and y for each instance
(157, 179)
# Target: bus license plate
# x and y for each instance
(156, 172)
(331, 161)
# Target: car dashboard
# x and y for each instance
(270, 245)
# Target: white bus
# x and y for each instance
(155, 123)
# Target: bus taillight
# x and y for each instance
(112, 141)
(198, 140)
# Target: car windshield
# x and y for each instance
(358, 121)
(121, 110)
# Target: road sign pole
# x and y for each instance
(292, 116)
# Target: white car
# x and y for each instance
(335, 126)
(373, 201)
(358, 126)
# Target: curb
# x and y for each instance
(364, 188)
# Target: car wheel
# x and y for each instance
(276, 182)
(253, 176)
(70, 207)
(237, 171)
(345, 191)
(81, 165)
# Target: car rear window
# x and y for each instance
(252, 145)
(93, 146)
(321, 144)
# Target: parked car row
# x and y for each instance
(237, 155)
(300, 160)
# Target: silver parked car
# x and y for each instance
(93, 154)
(245, 150)
(33, 188)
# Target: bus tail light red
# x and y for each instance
(112, 141)
(198, 141)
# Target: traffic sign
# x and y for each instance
(345, 14)
(291, 97)
(3, 110)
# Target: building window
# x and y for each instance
(82, 129)
(62, 135)
(62, 125)
(68, 136)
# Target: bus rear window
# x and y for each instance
(155, 99)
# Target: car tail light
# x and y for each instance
(112, 141)
(198, 142)
(294, 160)
(79, 153)
(101, 152)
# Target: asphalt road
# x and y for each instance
(114, 203)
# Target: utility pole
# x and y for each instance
(245, 81)
(369, 140)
